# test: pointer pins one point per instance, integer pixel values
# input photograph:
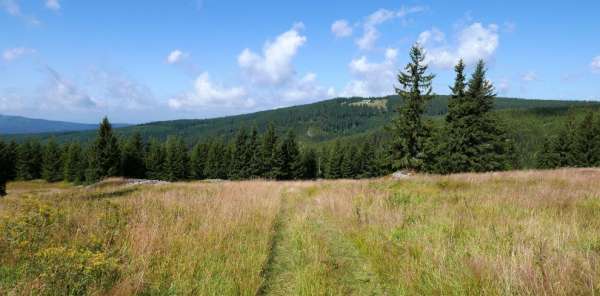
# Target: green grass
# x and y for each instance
(514, 233)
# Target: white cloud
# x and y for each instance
(176, 56)
(13, 8)
(475, 42)
(120, 91)
(370, 31)
(372, 79)
(53, 4)
(61, 92)
(341, 28)
(207, 93)
(306, 88)
(274, 66)
(529, 76)
(12, 54)
(595, 64)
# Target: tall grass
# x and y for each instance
(514, 233)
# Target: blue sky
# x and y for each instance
(139, 61)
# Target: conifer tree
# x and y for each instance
(52, 162)
(267, 152)
(11, 160)
(309, 165)
(132, 157)
(409, 130)
(5, 165)
(240, 161)
(176, 159)
(254, 156)
(155, 160)
(105, 155)
(587, 138)
(348, 162)
(336, 156)
(198, 160)
(287, 164)
(29, 160)
(74, 164)
(366, 160)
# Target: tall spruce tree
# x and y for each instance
(198, 161)
(254, 156)
(74, 164)
(29, 160)
(11, 160)
(155, 160)
(240, 159)
(52, 162)
(472, 139)
(409, 130)
(287, 164)
(105, 155)
(5, 165)
(132, 157)
(268, 146)
(336, 156)
(309, 164)
(176, 159)
(587, 142)
(367, 161)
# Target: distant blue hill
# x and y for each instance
(23, 125)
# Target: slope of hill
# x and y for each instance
(317, 122)
(23, 125)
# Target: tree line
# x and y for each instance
(471, 139)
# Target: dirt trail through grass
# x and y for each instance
(309, 256)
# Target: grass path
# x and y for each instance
(309, 256)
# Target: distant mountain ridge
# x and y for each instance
(10, 125)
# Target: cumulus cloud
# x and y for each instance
(341, 28)
(474, 42)
(595, 64)
(207, 93)
(12, 54)
(274, 66)
(370, 24)
(13, 8)
(372, 79)
(53, 4)
(61, 92)
(176, 56)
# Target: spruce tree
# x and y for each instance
(348, 162)
(176, 159)
(5, 165)
(288, 164)
(52, 162)
(587, 151)
(74, 164)
(198, 161)
(336, 156)
(366, 160)
(29, 160)
(11, 160)
(409, 130)
(309, 165)
(240, 160)
(132, 157)
(155, 160)
(267, 152)
(254, 155)
(105, 155)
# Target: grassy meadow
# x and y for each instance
(513, 233)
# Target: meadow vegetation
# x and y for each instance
(509, 233)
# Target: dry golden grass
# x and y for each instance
(513, 233)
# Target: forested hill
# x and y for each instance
(23, 125)
(321, 121)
